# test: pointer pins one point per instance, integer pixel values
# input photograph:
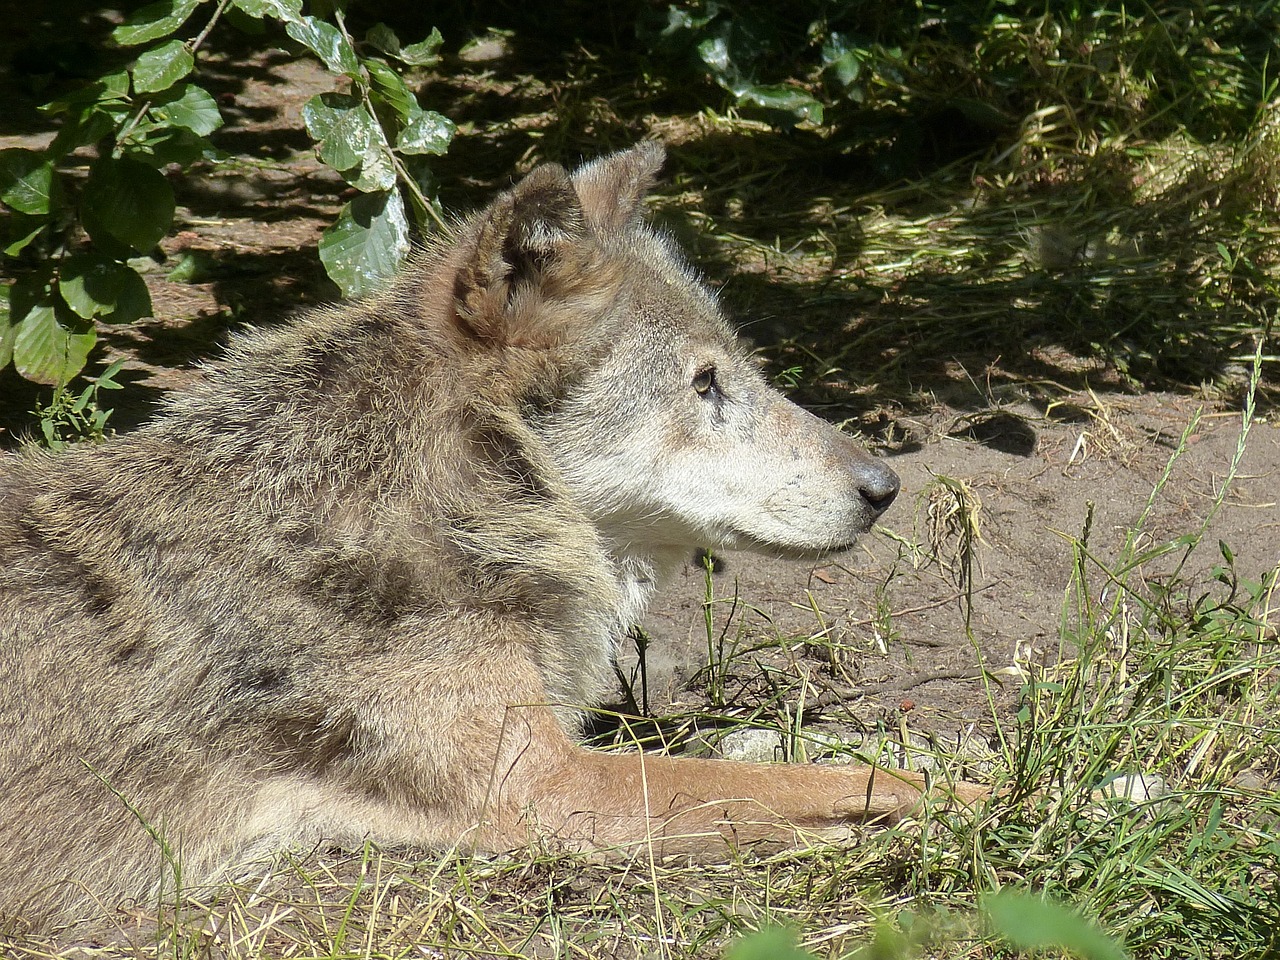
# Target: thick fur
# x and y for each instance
(363, 580)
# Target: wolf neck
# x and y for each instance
(639, 574)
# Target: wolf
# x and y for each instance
(364, 580)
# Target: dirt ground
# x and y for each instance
(1034, 496)
(868, 639)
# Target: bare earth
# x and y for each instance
(1033, 504)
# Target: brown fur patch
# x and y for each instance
(344, 589)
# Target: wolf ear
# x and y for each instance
(613, 188)
(521, 238)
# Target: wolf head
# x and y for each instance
(661, 426)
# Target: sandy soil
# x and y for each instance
(920, 659)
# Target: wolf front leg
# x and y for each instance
(467, 749)
(588, 799)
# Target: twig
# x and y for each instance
(840, 693)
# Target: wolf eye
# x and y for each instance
(704, 382)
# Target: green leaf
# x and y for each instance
(390, 89)
(366, 245)
(286, 10)
(190, 107)
(342, 128)
(154, 21)
(51, 344)
(165, 145)
(24, 229)
(425, 209)
(113, 86)
(87, 284)
(26, 181)
(106, 379)
(88, 125)
(769, 944)
(784, 99)
(244, 24)
(162, 67)
(192, 267)
(424, 54)
(427, 132)
(714, 52)
(377, 169)
(327, 42)
(7, 330)
(383, 38)
(982, 113)
(94, 286)
(677, 21)
(842, 60)
(128, 200)
(1030, 923)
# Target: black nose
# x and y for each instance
(879, 487)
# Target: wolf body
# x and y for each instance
(364, 579)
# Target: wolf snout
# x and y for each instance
(878, 486)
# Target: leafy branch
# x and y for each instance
(71, 232)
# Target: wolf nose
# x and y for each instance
(879, 487)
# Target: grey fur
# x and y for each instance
(304, 600)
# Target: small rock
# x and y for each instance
(1253, 782)
(1135, 787)
(752, 745)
